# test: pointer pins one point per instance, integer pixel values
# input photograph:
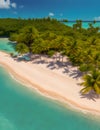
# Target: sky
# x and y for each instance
(60, 9)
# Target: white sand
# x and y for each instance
(53, 83)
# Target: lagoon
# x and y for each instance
(6, 45)
(84, 24)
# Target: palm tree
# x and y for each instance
(91, 82)
(39, 46)
(27, 36)
(94, 21)
(21, 48)
(78, 25)
(75, 52)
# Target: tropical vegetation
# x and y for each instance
(49, 36)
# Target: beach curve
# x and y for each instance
(50, 83)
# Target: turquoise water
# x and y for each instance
(84, 24)
(22, 109)
(6, 45)
(25, 109)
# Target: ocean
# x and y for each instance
(24, 109)
(84, 24)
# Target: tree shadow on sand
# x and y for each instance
(73, 72)
(39, 62)
(52, 63)
(76, 74)
(90, 96)
(58, 64)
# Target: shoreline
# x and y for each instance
(54, 94)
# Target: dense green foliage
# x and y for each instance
(9, 26)
(48, 36)
(91, 82)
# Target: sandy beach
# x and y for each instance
(58, 83)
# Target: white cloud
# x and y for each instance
(97, 18)
(6, 4)
(13, 5)
(51, 14)
(21, 6)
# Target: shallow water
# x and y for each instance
(7, 46)
(84, 24)
(24, 109)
